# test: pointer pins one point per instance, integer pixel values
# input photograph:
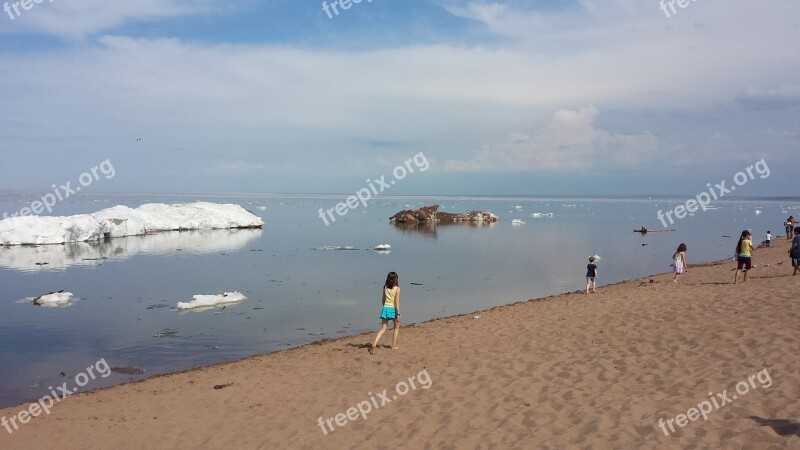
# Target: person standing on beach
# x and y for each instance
(794, 252)
(679, 265)
(591, 275)
(769, 237)
(390, 311)
(744, 261)
(789, 227)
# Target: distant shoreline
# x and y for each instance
(643, 197)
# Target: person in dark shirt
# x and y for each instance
(794, 252)
(591, 275)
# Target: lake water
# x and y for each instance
(128, 287)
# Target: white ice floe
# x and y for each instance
(517, 222)
(490, 217)
(596, 258)
(538, 214)
(205, 301)
(328, 248)
(518, 207)
(122, 221)
(54, 299)
(382, 247)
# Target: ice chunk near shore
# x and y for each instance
(205, 301)
(121, 221)
(517, 222)
(54, 299)
(383, 247)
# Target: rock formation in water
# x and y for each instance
(430, 214)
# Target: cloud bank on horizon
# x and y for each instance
(504, 97)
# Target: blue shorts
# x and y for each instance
(388, 313)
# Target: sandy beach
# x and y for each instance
(620, 368)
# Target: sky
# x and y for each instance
(611, 97)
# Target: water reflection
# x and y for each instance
(35, 258)
(429, 229)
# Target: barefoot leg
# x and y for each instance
(378, 337)
(395, 334)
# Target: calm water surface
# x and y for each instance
(128, 287)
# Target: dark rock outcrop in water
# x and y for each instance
(430, 214)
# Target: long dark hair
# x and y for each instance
(681, 248)
(745, 234)
(391, 280)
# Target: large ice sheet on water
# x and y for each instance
(122, 221)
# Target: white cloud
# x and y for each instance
(569, 142)
(317, 110)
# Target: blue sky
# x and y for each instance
(503, 97)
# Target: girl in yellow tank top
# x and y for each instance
(390, 311)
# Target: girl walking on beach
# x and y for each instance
(390, 311)
(679, 262)
(744, 261)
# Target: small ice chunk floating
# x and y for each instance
(121, 221)
(206, 301)
(54, 299)
(383, 247)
